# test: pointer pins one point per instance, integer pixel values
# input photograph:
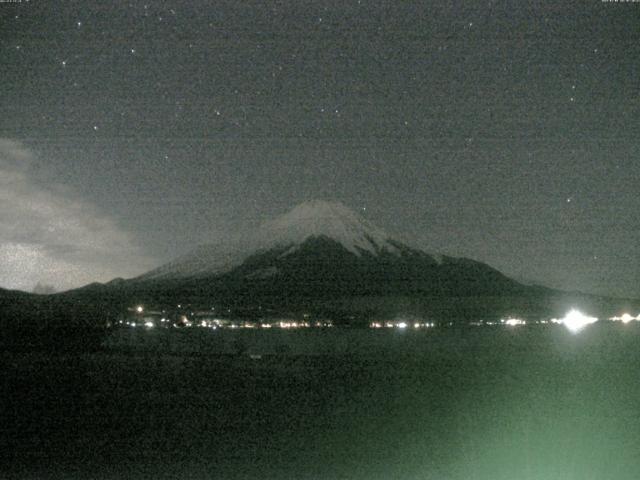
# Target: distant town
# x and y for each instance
(182, 316)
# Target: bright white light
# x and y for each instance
(402, 325)
(512, 322)
(625, 318)
(576, 320)
(149, 324)
(139, 309)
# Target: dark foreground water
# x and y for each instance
(523, 403)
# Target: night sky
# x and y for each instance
(505, 132)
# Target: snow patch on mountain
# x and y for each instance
(329, 219)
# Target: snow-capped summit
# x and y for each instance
(333, 220)
(311, 219)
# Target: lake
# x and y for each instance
(534, 402)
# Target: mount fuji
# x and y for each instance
(319, 251)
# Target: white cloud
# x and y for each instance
(49, 235)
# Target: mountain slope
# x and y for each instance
(287, 233)
(322, 266)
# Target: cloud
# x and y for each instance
(49, 235)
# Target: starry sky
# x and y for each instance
(507, 132)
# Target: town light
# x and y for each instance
(626, 318)
(512, 322)
(576, 320)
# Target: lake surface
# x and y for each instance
(470, 403)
